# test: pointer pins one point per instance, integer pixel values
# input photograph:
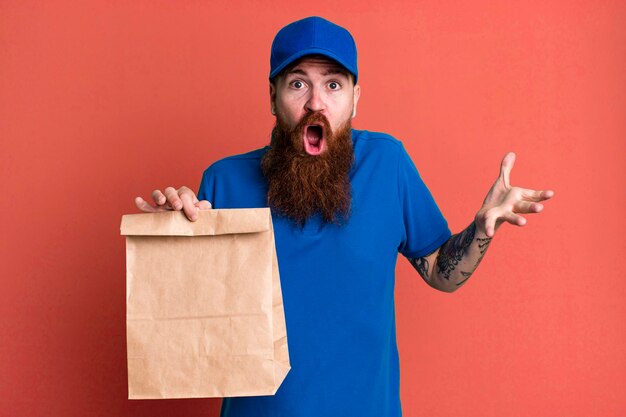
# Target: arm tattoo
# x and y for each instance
(453, 250)
(451, 253)
(421, 264)
(483, 244)
(466, 275)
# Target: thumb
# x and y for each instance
(204, 205)
(505, 168)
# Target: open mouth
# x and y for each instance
(314, 139)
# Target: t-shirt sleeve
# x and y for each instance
(425, 228)
(207, 186)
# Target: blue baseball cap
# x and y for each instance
(313, 36)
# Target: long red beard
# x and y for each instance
(301, 185)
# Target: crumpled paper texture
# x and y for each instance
(204, 306)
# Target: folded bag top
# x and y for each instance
(209, 223)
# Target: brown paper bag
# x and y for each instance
(204, 306)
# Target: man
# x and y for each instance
(344, 203)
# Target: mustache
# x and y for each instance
(302, 185)
(282, 131)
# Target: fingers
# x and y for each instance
(189, 206)
(537, 195)
(172, 198)
(505, 168)
(204, 205)
(183, 199)
(514, 219)
(490, 226)
(143, 205)
(527, 207)
(545, 194)
(158, 198)
(493, 221)
(494, 217)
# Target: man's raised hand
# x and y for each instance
(172, 199)
(505, 203)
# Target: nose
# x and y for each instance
(315, 102)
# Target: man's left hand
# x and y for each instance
(505, 203)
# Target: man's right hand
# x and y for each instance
(172, 199)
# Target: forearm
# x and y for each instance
(450, 266)
(455, 261)
(459, 257)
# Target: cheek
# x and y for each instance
(343, 113)
(290, 110)
(292, 119)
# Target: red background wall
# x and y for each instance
(104, 100)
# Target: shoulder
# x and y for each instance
(377, 146)
(375, 139)
(381, 143)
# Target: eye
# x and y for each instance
(334, 85)
(297, 84)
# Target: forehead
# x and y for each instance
(321, 64)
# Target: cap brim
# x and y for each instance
(312, 51)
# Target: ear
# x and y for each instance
(272, 98)
(357, 95)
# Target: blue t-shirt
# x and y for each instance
(338, 281)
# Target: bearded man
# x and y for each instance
(344, 203)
